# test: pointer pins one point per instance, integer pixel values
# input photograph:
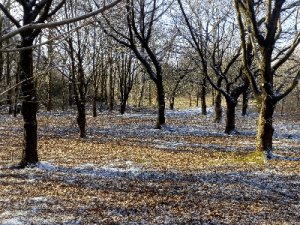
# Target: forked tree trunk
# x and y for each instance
(161, 105)
(230, 119)
(81, 119)
(265, 128)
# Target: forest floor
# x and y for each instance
(126, 172)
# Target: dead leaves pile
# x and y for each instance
(126, 172)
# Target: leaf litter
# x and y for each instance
(126, 172)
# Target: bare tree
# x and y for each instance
(141, 19)
(270, 53)
(34, 17)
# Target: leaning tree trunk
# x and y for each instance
(230, 119)
(29, 107)
(218, 103)
(161, 104)
(265, 128)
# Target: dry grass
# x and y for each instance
(125, 172)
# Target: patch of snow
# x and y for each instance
(44, 165)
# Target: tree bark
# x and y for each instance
(245, 102)
(265, 128)
(29, 154)
(123, 103)
(8, 83)
(230, 119)
(172, 103)
(203, 97)
(95, 103)
(81, 119)
(70, 94)
(218, 103)
(49, 90)
(29, 108)
(161, 105)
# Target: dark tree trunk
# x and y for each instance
(265, 128)
(123, 103)
(29, 107)
(218, 108)
(198, 96)
(111, 90)
(70, 94)
(230, 120)
(218, 103)
(161, 105)
(81, 119)
(245, 102)
(172, 103)
(149, 94)
(8, 83)
(29, 154)
(203, 97)
(63, 92)
(16, 108)
(49, 100)
(213, 96)
(95, 103)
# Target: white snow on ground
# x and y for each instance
(189, 112)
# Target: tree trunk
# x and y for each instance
(213, 97)
(29, 108)
(245, 103)
(111, 90)
(8, 83)
(265, 128)
(218, 103)
(230, 120)
(123, 103)
(203, 98)
(70, 94)
(218, 108)
(95, 103)
(29, 154)
(81, 120)
(49, 100)
(161, 105)
(149, 94)
(172, 103)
